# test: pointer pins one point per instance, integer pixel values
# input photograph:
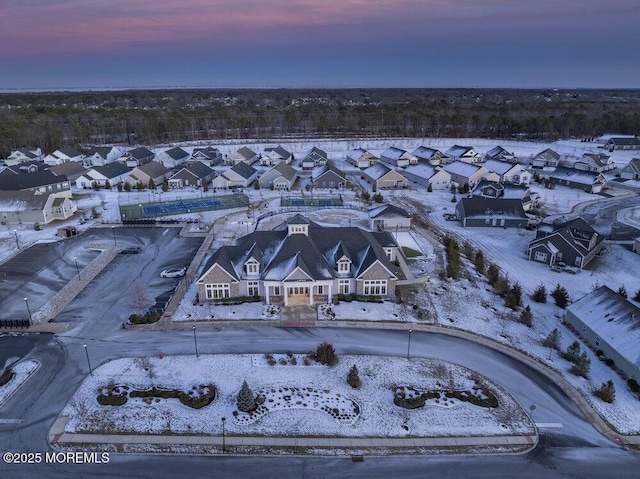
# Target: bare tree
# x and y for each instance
(139, 299)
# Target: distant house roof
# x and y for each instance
(286, 171)
(377, 171)
(197, 169)
(22, 201)
(68, 169)
(284, 154)
(70, 151)
(575, 233)
(458, 151)
(479, 206)
(461, 168)
(422, 170)
(247, 153)
(176, 153)
(624, 141)
(548, 154)
(140, 153)
(499, 167)
(503, 190)
(633, 166)
(112, 170)
(426, 153)
(576, 176)
(101, 151)
(244, 170)
(153, 169)
(25, 181)
(329, 166)
(388, 211)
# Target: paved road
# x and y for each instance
(602, 216)
(574, 449)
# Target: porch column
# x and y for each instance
(311, 294)
(286, 295)
(330, 295)
(266, 293)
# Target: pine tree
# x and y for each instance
(606, 392)
(165, 184)
(429, 188)
(637, 296)
(127, 186)
(572, 353)
(540, 294)
(526, 317)
(246, 400)
(119, 187)
(560, 296)
(452, 252)
(139, 186)
(493, 274)
(478, 261)
(622, 291)
(514, 296)
(552, 340)
(581, 366)
(107, 185)
(353, 379)
(152, 184)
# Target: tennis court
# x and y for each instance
(178, 207)
(317, 202)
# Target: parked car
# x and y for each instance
(130, 250)
(173, 273)
(557, 268)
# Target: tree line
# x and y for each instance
(53, 120)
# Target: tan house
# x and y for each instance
(383, 177)
(143, 174)
(27, 207)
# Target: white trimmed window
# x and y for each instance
(344, 266)
(377, 287)
(217, 290)
(252, 267)
(252, 288)
(320, 289)
(540, 256)
(344, 286)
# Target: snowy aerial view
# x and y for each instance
(319, 239)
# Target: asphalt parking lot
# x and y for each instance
(42, 270)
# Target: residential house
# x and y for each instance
(173, 157)
(195, 174)
(463, 153)
(137, 157)
(275, 154)
(383, 177)
(239, 175)
(578, 179)
(389, 217)
(23, 155)
(113, 173)
(279, 177)
(595, 162)
(546, 158)
(498, 153)
(483, 211)
(362, 158)
(572, 242)
(431, 156)
(147, 173)
(302, 263)
(72, 170)
(631, 171)
(316, 157)
(210, 156)
(243, 155)
(63, 155)
(463, 173)
(101, 155)
(37, 182)
(428, 176)
(328, 176)
(30, 207)
(623, 143)
(492, 189)
(398, 157)
(609, 323)
(508, 172)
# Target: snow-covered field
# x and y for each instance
(376, 416)
(22, 371)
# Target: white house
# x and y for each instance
(113, 173)
(427, 175)
(508, 172)
(23, 155)
(279, 177)
(362, 158)
(239, 175)
(275, 154)
(398, 157)
(243, 155)
(464, 153)
(101, 155)
(63, 155)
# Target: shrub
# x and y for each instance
(552, 340)
(633, 385)
(326, 354)
(637, 296)
(112, 399)
(540, 294)
(606, 392)
(572, 353)
(581, 366)
(7, 376)
(144, 319)
(526, 317)
(622, 291)
(353, 379)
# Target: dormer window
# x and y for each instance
(344, 266)
(252, 266)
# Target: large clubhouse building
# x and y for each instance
(302, 263)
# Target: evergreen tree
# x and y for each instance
(353, 379)
(165, 184)
(454, 199)
(606, 392)
(246, 400)
(552, 340)
(514, 296)
(478, 261)
(95, 185)
(540, 294)
(119, 187)
(560, 296)
(581, 366)
(205, 186)
(493, 274)
(637, 296)
(452, 252)
(526, 317)
(139, 186)
(107, 185)
(152, 184)
(429, 188)
(622, 291)
(572, 353)
(127, 186)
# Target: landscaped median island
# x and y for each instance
(13, 377)
(292, 395)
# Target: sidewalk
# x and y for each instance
(303, 444)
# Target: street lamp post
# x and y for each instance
(86, 351)
(409, 345)
(77, 268)
(141, 212)
(224, 419)
(15, 232)
(113, 230)
(195, 341)
(26, 301)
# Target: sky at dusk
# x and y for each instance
(102, 44)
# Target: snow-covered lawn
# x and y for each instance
(22, 371)
(187, 311)
(362, 311)
(299, 399)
